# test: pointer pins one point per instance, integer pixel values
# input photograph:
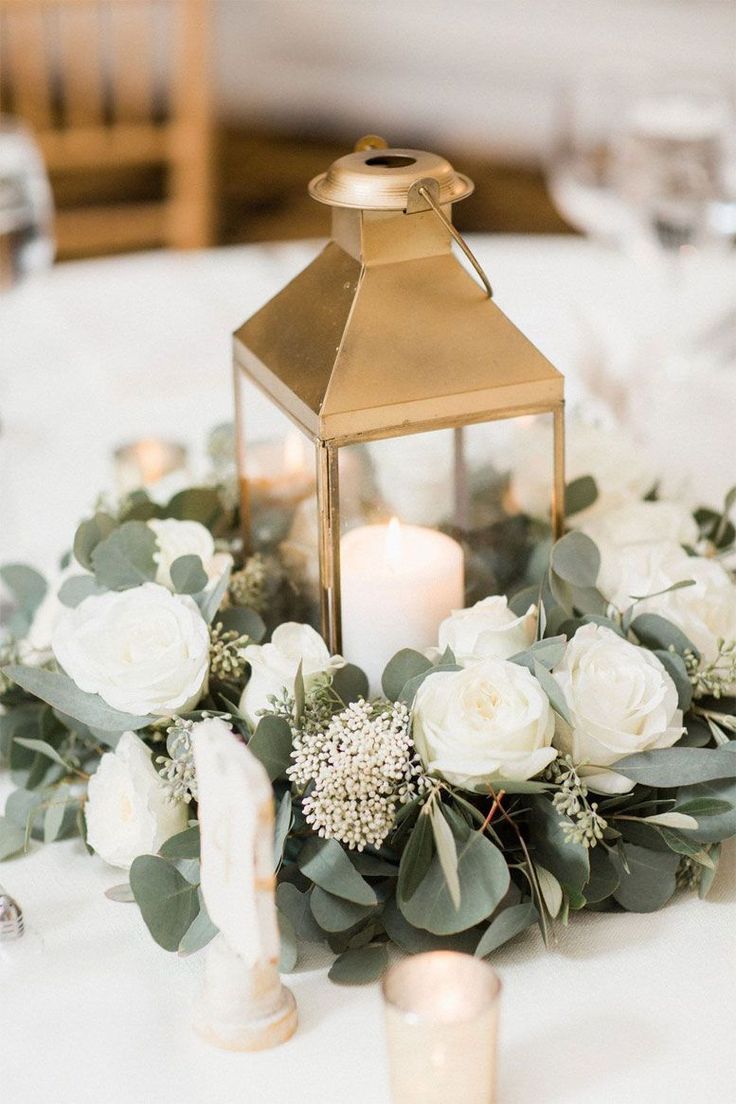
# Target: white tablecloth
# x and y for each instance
(625, 1007)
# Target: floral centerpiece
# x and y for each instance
(563, 747)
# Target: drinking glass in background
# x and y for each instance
(26, 206)
(647, 166)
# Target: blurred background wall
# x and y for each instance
(292, 83)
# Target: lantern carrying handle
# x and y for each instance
(428, 190)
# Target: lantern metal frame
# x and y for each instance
(358, 347)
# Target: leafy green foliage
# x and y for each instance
(679, 766)
(88, 536)
(405, 665)
(569, 862)
(168, 902)
(243, 621)
(59, 691)
(125, 558)
(656, 632)
(580, 493)
(359, 966)
(504, 926)
(483, 878)
(271, 743)
(184, 845)
(350, 683)
(415, 858)
(27, 588)
(326, 864)
(74, 590)
(646, 878)
(188, 575)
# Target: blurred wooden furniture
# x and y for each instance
(116, 84)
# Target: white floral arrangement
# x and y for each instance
(568, 747)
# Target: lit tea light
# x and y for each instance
(398, 582)
(441, 1023)
(280, 472)
(147, 462)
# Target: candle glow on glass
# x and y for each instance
(441, 1022)
(398, 582)
(280, 472)
(146, 462)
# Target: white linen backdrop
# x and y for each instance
(624, 1007)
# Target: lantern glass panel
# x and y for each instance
(486, 485)
(277, 465)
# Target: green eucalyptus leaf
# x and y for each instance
(417, 940)
(27, 586)
(74, 590)
(550, 889)
(359, 966)
(580, 493)
(415, 858)
(43, 748)
(244, 621)
(656, 632)
(289, 952)
(184, 845)
(350, 683)
(122, 894)
(200, 504)
(675, 667)
(553, 690)
(200, 932)
(679, 766)
(89, 534)
(484, 880)
(188, 576)
(548, 652)
(708, 875)
(569, 862)
(446, 851)
(700, 807)
(650, 880)
(576, 560)
(714, 826)
(295, 904)
(504, 926)
(603, 879)
(53, 817)
(126, 558)
(325, 863)
(282, 826)
(168, 902)
(12, 838)
(209, 601)
(271, 743)
(404, 666)
(335, 914)
(59, 691)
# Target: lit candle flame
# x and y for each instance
(393, 543)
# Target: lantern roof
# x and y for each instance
(386, 332)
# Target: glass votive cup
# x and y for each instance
(441, 1022)
(146, 463)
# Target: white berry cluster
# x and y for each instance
(356, 771)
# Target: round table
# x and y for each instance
(623, 1007)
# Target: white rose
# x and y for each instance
(129, 811)
(641, 522)
(274, 666)
(705, 612)
(621, 469)
(185, 538)
(142, 650)
(488, 722)
(621, 701)
(489, 628)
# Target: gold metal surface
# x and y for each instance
(386, 334)
(379, 179)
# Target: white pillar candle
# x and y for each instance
(398, 582)
(280, 473)
(441, 1021)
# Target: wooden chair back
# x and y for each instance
(108, 84)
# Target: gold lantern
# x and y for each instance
(386, 335)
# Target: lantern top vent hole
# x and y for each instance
(377, 179)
